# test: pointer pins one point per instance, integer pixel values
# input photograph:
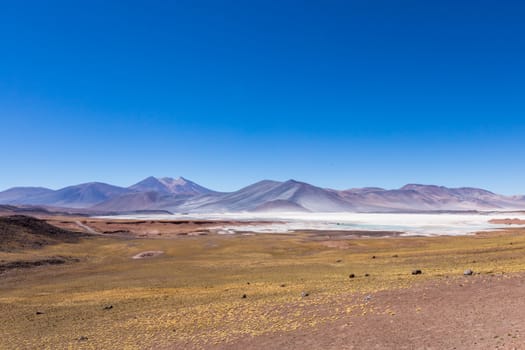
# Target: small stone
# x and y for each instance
(305, 294)
(83, 338)
(39, 313)
(395, 256)
(248, 283)
(373, 256)
(108, 307)
(368, 297)
(416, 272)
(283, 285)
(468, 272)
(351, 275)
(244, 296)
(338, 261)
(367, 275)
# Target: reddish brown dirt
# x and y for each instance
(140, 228)
(476, 312)
(509, 221)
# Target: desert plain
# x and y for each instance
(99, 283)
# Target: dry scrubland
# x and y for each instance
(192, 295)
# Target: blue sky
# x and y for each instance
(336, 93)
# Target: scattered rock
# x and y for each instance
(416, 272)
(148, 254)
(83, 338)
(368, 297)
(351, 275)
(108, 307)
(305, 294)
(244, 296)
(39, 313)
(468, 272)
(367, 275)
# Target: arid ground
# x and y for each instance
(162, 285)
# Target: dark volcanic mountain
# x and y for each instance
(182, 195)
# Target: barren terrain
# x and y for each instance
(302, 290)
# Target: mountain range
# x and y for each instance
(182, 195)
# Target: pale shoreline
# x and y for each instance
(409, 224)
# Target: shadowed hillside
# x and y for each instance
(23, 232)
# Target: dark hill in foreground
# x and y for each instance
(24, 232)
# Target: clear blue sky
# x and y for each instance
(336, 93)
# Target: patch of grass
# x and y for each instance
(192, 294)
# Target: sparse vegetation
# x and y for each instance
(192, 295)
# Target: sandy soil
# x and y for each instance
(476, 312)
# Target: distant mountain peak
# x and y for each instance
(150, 178)
(169, 185)
(149, 184)
(183, 195)
(420, 186)
(292, 181)
(170, 181)
(265, 182)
